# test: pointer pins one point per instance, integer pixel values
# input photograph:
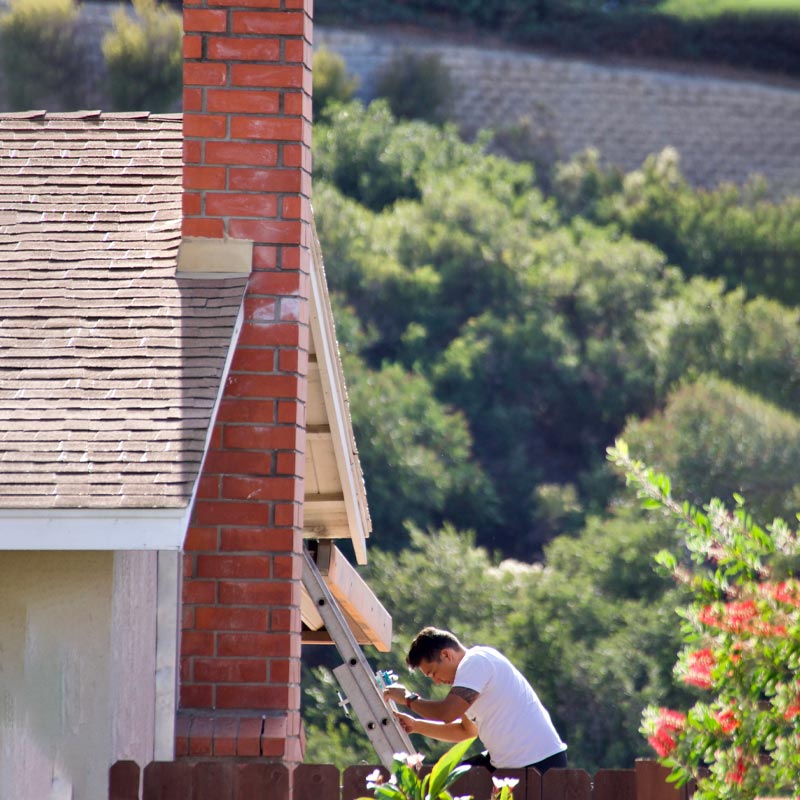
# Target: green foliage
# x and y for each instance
(716, 440)
(741, 636)
(44, 67)
(729, 232)
(416, 454)
(406, 784)
(144, 57)
(416, 87)
(332, 83)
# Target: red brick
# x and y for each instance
(223, 512)
(192, 100)
(246, 3)
(230, 670)
(238, 49)
(204, 74)
(208, 487)
(225, 732)
(293, 361)
(243, 539)
(200, 539)
(196, 696)
(244, 696)
(227, 566)
(291, 412)
(205, 21)
(187, 617)
(266, 180)
(260, 309)
(207, 228)
(298, 50)
(298, 104)
(272, 748)
(238, 463)
(292, 208)
(278, 283)
(192, 46)
(266, 128)
(254, 359)
(241, 205)
(285, 619)
(193, 154)
(280, 334)
(230, 618)
(205, 126)
(240, 153)
(192, 204)
(238, 101)
(287, 567)
(195, 643)
(244, 410)
(250, 437)
(269, 76)
(264, 257)
(284, 670)
(273, 24)
(254, 644)
(260, 488)
(288, 513)
(256, 592)
(290, 464)
(203, 177)
(195, 591)
(248, 742)
(267, 231)
(200, 738)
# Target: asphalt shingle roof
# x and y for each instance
(109, 364)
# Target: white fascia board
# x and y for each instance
(93, 529)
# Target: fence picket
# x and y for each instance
(566, 784)
(212, 780)
(316, 782)
(123, 781)
(256, 780)
(615, 784)
(167, 780)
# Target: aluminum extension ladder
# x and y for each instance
(355, 675)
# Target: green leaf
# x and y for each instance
(440, 776)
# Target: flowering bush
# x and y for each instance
(406, 784)
(742, 648)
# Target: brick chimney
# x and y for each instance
(246, 205)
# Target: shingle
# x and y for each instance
(109, 365)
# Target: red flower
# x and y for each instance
(739, 615)
(736, 775)
(700, 664)
(792, 711)
(785, 592)
(662, 739)
(727, 720)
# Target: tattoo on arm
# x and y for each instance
(470, 695)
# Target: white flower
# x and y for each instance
(499, 783)
(374, 779)
(415, 760)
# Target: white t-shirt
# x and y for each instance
(512, 723)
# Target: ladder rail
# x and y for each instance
(355, 675)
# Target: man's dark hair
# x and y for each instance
(428, 645)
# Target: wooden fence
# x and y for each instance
(255, 780)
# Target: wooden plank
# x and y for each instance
(167, 780)
(316, 782)
(651, 782)
(354, 595)
(354, 781)
(566, 784)
(123, 781)
(533, 788)
(476, 783)
(615, 784)
(213, 780)
(254, 780)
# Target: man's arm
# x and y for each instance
(453, 707)
(455, 731)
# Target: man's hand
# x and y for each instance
(396, 692)
(407, 722)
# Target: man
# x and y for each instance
(489, 698)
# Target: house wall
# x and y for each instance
(77, 657)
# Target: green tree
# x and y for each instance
(43, 64)
(715, 439)
(144, 58)
(331, 81)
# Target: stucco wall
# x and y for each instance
(77, 650)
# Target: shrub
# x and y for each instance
(416, 87)
(144, 57)
(331, 80)
(741, 648)
(42, 64)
